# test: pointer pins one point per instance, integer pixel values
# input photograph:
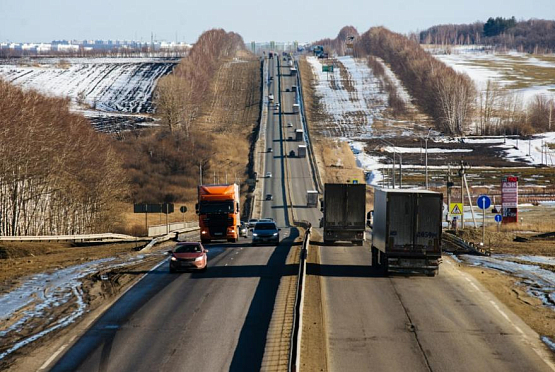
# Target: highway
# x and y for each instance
(212, 321)
(219, 320)
(444, 323)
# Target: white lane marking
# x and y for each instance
(526, 339)
(53, 357)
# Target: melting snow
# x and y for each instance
(539, 282)
(43, 292)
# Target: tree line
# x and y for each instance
(531, 36)
(164, 163)
(450, 98)
(57, 176)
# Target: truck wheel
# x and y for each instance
(431, 273)
(205, 241)
(328, 242)
(232, 240)
(383, 263)
(375, 262)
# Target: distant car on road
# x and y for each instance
(269, 197)
(268, 174)
(265, 232)
(271, 97)
(289, 125)
(270, 149)
(266, 219)
(252, 222)
(188, 255)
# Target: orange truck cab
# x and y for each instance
(218, 211)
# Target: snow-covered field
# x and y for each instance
(99, 87)
(521, 73)
(354, 100)
(353, 109)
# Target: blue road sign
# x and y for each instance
(498, 218)
(483, 202)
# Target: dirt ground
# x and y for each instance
(21, 260)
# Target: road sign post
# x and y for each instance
(484, 202)
(498, 219)
(509, 199)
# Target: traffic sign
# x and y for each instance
(483, 202)
(456, 208)
(498, 218)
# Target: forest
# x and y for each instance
(531, 36)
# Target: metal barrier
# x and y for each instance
(81, 237)
(296, 335)
(311, 155)
(464, 245)
(156, 230)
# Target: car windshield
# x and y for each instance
(187, 248)
(265, 226)
(216, 207)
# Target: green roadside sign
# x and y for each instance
(327, 68)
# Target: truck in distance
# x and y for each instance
(218, 211)
(406, 230)
(301, 151)
(344, 210)
(311, 198)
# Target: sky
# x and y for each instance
(283, 20)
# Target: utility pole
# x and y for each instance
(449, 186)
(550, 113)
(461, 175)
(427, 137)
(400, 170)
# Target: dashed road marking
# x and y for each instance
(53, 357)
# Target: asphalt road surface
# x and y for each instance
(212, 321)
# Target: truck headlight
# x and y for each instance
(254, 234)
(173, 258)
(275, 234)
(198, 259)
(203, 232)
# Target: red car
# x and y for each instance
(190, 255)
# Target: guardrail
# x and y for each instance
(84, 237)
(260, 145)
(296, 335)
(465, 245)
(311, 155)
